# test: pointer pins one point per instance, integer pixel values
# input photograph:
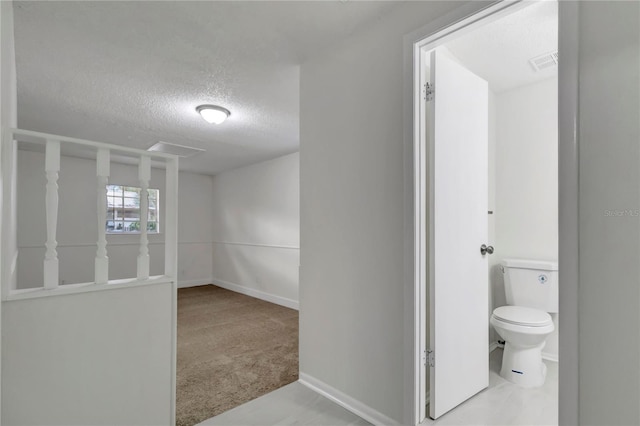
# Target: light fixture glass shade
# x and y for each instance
(213, 114)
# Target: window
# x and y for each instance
(123, 209)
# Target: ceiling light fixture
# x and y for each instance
(213, 114)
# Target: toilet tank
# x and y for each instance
(531, 283)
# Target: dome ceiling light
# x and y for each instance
(213, 114)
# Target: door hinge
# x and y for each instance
(431, 358)
(428, 91)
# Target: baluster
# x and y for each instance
(102, 172)
(52, 167)
(144, 174)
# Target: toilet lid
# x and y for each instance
(520, 315)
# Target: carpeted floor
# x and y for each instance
(232, 348)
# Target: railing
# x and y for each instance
(103, 154)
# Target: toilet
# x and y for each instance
(531, 288)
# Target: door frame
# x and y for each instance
(416, 44)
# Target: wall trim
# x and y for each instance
(194, 283)
(356, 407)
(111, 244)
(278, 300)
(233, 243)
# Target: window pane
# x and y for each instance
(131, 192)
(123, 209)
(132, 214)
(114, 201)
(156, 206)
(131, 202)
(114, 190)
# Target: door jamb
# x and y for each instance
(426, 38)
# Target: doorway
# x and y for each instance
(455, 335)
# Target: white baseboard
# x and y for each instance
(278, 300)
(194, 283)
(356, 407)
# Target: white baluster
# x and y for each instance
(144, 174)
(102, 172)
(52, 167)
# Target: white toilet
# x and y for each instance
(531, 287)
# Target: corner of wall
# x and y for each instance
(8, 98)
(345, 401)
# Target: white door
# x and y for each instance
(458, 272)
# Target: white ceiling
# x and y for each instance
(132, 73)
(500, 51)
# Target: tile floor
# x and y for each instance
(504, 403)
(501, 404)
(294, 404)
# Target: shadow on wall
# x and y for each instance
(266, 264)
(261, 222)
(496, 278)
(270, 270)
(256, 230)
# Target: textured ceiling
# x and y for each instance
(132, 73)
(500, 51)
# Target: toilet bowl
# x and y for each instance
(531, 290)
(524, 331)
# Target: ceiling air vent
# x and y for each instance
(542, 62)
(175, 149)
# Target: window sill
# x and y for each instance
(132, 233)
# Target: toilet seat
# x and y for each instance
(522, 316)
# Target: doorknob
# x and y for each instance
(484, 249)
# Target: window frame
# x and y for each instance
(112, 208)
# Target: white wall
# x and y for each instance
(527, 171)
(353, 258)
(256, 229)
(526, 182)
(77, 229)
(8, 86)
(609, 244)
(97, 358)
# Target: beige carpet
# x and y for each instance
(232, 348)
